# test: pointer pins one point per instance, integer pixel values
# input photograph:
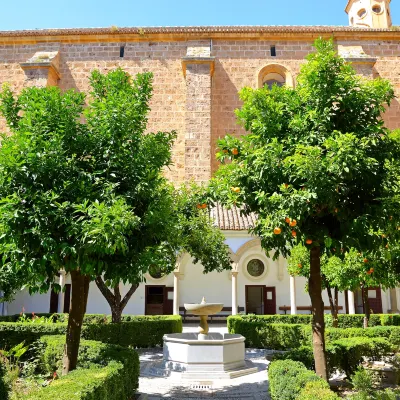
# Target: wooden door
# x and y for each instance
(154, 300)
(67, 298)
(375, 300)
(53, 302)
(254, 299)
(168, 301)
(269, 301)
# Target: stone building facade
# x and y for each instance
(198, 72)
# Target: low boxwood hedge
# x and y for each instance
(105, 371)
(129, 333)
(345, 320)
(289, 380)
(344, 355)
(276, 336)
(317, 390)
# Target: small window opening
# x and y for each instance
(376, 9)
(273, 51)
(121, 51)
(362, 13)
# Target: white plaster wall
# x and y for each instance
(215, 287)
(38, 303)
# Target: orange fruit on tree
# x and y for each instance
(286, 185)
(308, 241)
(235, 152)
(294, 233)
(371, 270)
(235, 189)
(293, 223)
(277, 231)
(287, 220)
(299, 265)
(365, 260)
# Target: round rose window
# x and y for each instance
(156, 272)
(255, 268)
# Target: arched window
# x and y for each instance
(275, 74)
(273, 79)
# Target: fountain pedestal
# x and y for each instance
(206, 355)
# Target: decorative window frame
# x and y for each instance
(251, 256)
(151, 278)
(275, 69)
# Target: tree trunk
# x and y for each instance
(114, 300)
(367, 311)
(332, 304)
(317, 304)
(80, 292)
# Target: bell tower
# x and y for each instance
(369, 13)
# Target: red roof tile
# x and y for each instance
(232, 219)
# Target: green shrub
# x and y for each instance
(317, 390)
(344, 354)
(235, 321)
(13, 333)
(105, 371)
(125, 334)
(350, 352)
(272, 336)
(287, 379)
(376, 331)
(4, 388)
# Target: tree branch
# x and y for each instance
(107, 293)
(132, 290)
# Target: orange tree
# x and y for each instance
(316, 166)
(349, 270)
(82, 189)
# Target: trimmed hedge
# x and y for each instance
(317, 390)
(344, 355)
(288, 380)
(288, 336)
(4, 389)
(345, 320)
(235, 321)
(106, 372)
(140, 331)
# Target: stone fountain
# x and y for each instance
(206, 355)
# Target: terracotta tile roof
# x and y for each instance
(190, 30)
(231, 219)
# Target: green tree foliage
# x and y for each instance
(316, 166)
(81, 188)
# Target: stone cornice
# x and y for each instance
(298, 33)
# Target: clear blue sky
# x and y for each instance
(29, 14)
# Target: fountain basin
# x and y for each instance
(204, 308)
(212, 356)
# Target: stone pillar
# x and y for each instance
(176, 294)
(352, 305)
(198, 67)
(42, 69)
(234, 293)
(389, 301)
(398, 299)
(61, 294)
(293, 305)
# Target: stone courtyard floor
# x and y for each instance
(153, 385)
